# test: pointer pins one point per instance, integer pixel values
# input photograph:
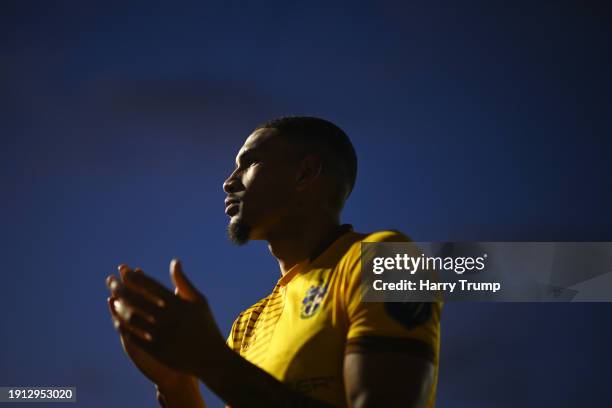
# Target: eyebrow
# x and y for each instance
(246, 154)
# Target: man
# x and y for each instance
(311, 342)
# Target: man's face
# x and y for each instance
(261, 187)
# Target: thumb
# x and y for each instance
(184, 288)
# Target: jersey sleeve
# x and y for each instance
(236, 335)
(234, 338)
(406, 327)
(230, 337)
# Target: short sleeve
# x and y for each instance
(233, 341)
(230, 338)
(407, 327)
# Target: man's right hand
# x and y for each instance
(171, 383)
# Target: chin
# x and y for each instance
(238, 231)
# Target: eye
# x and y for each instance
(246, 164)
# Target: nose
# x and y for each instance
(232, 184)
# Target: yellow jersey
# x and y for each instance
(314, 316)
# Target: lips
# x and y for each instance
(232, 209)
(232, 206)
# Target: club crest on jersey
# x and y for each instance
(312, 300)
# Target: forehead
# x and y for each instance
(262, 141)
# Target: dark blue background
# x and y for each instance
(472, 121)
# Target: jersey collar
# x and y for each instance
(307, 264)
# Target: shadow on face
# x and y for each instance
(262, 188)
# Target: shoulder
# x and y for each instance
(350, 261)
(389, 235)
(253, 311)
(243, 321)
(249, 315)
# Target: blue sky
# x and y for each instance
(479, 121)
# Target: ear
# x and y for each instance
(310, 169)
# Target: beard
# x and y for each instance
(238, 232)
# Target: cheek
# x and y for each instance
(267, 184)
(254, 179)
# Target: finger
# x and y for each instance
(150, 285)
(184, 288)
(110, 301)
(117, 290)
(116, 311)
(133, 321)
(125, 303)
(121, 310)
(136, 338)
(114, 315)
(140, 325)
(111, 282)
(123, 268)
(142, 304)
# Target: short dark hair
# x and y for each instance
(316, 135)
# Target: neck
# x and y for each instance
(301, 240)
